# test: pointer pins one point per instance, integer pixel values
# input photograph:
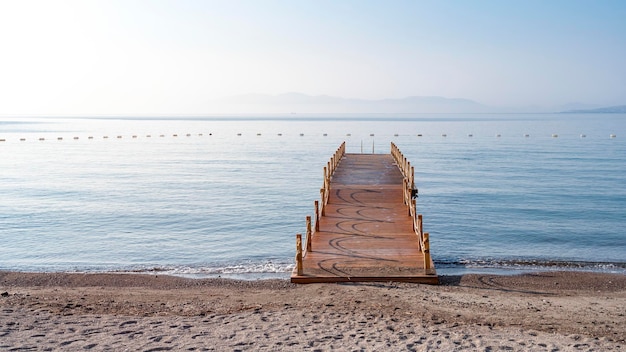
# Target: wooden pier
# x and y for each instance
(366, 225)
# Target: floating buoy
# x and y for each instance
(105, 137)
(470, 135)
(90, 137)
(134, 136)
(258, 134)
(280, 134)
(526, 135)
(200, 134)
(119, 137)
(371, 135)
(301, 134)
(75, 137)
(583, 135)
(162, 135)
(148, 136)
(612, 136)
(419, 134)
(498, 135)
(42, 139)
(325, 134)
(188, 134)
(59, 138)
(239, 134)
(175, 135)
(444, 135)
(349, 134)
(554, 135)
(22, 139)
(395, 135)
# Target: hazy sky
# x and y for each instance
(164, 57)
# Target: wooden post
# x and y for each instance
(317, 216)
(404, 190)
(404, 163)
(426, 251)
(419, 224)
(299, 254)
(407, 167)
(323, 202)
(309, 234)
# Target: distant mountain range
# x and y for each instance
(302, 103)
(290, 103)
(620, 109)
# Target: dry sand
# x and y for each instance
(556, 311)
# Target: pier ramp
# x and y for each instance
(366, 226)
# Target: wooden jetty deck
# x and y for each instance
(366, 226)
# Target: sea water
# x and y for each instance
(209, 196)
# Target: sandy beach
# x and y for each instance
(553, 311)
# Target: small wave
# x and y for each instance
(239, 270)
(533, 264)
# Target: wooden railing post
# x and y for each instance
(419, 224)
(322, 196)
(404, 190)
(406, 166)
(299, 254)
(317, 216)
(426, 251)
(309, 234)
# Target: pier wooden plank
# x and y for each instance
(366, 232)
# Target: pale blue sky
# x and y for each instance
(173, 57)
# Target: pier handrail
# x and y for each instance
(320, 208)
(409, 190)
(408, 173)
(329, 170)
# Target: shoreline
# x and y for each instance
(108, 311)
(515, 267)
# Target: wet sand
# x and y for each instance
(553, 311)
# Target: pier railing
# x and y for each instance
(320, 207)
(410, 193)
(329, 170)
(408, 172)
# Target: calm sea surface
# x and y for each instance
(226, 196)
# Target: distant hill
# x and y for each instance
(303, 103)
(298, 103)
(620, 109)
